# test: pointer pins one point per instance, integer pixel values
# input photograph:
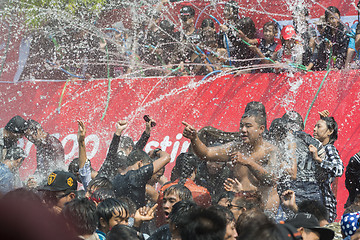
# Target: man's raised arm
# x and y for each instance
(218, 153)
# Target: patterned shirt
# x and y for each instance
(330, 168)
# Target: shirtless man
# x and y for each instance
(253, 157)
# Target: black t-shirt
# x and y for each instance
(133, 183)
(162, 233)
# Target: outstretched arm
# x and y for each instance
(81, 140)
(162, 161)
(218, 153)
(146, 135)
(114, 145)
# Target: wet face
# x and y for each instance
(228, 12)
(230, 233)
(119, 216)
(169, 201)
(250, 130)
(334, 20)
(32, 135)
(269, 33)
(321, 131)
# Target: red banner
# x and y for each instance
(218, 101)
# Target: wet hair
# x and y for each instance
(204, 224)
(123, 232)
(302, 10)
(207, 22)
(294, 121)
(186, 164)
(332, 125)
(260, 117)
(17, 125)
(136, 156)
(74, 166)
(223, 211)
(269, 24)
(331, 10)
(278, 129)
(130, 205)
(234, 5)
(80, 214)
(183, 192)
(179, 212)
(101, 194)
(33, 125)
(107, 208)
(126, 142)
(254, 105)
(247, 26)
(228, 195)
(14, 153)
(315, 208)
(100, 183)
(111, 165)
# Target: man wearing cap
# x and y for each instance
(13, 131)
(60, 188)
(309, 227)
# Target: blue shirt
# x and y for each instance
(6, 179)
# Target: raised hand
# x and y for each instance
(81, 131)
(233, 185)
(144, 214)
(288, 200)
(149, 125)
(324, 113)
(189, 131)
(120, 126)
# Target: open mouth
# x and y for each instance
(166, 214)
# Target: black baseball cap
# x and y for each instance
(187, 11)
(60, 181)
(309, 221)
(17, 125)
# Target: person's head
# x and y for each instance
(174, 194)
(60, 189)
(278, 130)
(185, 167)
(315, 208)
(98, 183)
(247, 26)
(300, 16)
(230, 233)
(178, 216)
(204, 224)
(122, 232)
(320, 24)
(137, 159)
(252, 126)
(270, 30)
(294, 121)
(231, 10)
(187, 14)
(208, 32)
(166, 30)
(332, 16)
(309, 227)
(126, 144)
(245, 201)
(111, 212)
(15, 129)
(101, 194)
(35, 132)
(14, 158)
(213, 168)
(80, 216)
(225, 198)
(288, 35)
(326, 130)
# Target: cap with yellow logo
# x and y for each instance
(60, 181)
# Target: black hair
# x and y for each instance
(204, 224)
(315, 208)
(254, 105)
(228, 195)
(234, 5)
(126, 142)
(14, 153)
(110, 166)
(100, 183)
(17, 125)
(101, 194)
(123, 232)
(80, 214)
(275, 26)
(74, 166)
(183, 192)
(186, 164)
(136, 156)
(330, 11)
(188, 9)
(106, 208)
(207, 22)
(332, 125)
(180, 211)
(278, 130)
(247, 26)
(130, 205)
(167, 26)
(302, 10)
(294, 121)
(260, 117)
(223, 211)
(33, 125)
(22, 195)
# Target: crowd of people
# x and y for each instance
(257, 183)
(158, 46)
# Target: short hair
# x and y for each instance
(123, 232)
(110, 166)
(251, 222)
(130, 205)
(22, 195)
(101, 194)
(107, 208)
(74, 166)
(227, 194)
(247, 26)
(260, 117)
(204, 224)
(126, 142)
(234, 5)
(100, 183)
(17, 125)
(183, 192)
(294, 121)
(332, 125)
(278, 129)
(274, 25)
(136, 156)
(331, 10)
(180, 211)
(223, 211)
(15, 153)
(80, 214)
(186, 164)
(315, 208)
